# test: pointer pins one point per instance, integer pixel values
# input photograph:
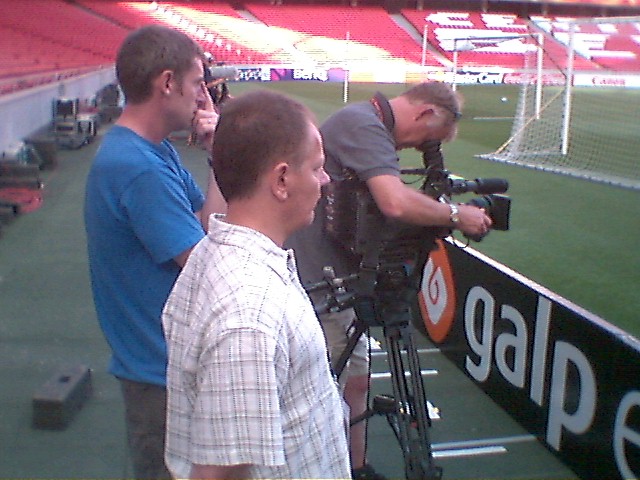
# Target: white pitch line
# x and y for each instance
(376, 376)
(487, 446)
(492, 118)
(470, 452)
(427, 351)
(484, 442)
(467, 448)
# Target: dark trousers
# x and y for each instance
(145, 411)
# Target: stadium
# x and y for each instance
(540, 380)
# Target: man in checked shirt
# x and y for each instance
(250, 392)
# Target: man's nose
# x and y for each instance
(324, 178)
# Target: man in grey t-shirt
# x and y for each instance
(361, 141)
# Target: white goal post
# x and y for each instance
(584, 121)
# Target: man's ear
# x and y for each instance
(424, 111)
(164, 82)
(279, 180)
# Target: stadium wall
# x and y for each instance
(25, 112)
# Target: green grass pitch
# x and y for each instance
(575, 237)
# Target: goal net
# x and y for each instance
(578, 112)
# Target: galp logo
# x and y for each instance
(437, 296)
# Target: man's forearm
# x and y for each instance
(399, 202)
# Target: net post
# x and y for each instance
(568, 86)
(345, 87)
(539, 77)
(425, 31)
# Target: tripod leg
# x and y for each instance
(357, 330)
(412, 415)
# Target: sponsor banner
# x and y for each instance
(317, 74)
(606, 80)
(254, 74)
(482, 77)
(517, 78)
(336, 74)
(600, 3)
(569, 377)
(271, 74)
(630, 3)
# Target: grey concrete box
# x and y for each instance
(57, 401)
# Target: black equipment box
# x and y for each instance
(61, 397)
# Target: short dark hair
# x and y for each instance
(254, 131)
(438, 93)
(146, 53)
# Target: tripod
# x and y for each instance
(384, 297)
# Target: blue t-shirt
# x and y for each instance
(139, 215)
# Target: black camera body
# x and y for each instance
(353, 220)
(352, 217)
(497, 206)
(440, 184)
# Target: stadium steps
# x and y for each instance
(443, 27)
(323, 31)
(434, 57)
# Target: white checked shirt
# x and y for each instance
(248, 378)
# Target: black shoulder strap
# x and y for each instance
(383, 108)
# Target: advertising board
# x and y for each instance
(569, 377)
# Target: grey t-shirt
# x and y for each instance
(356, 140)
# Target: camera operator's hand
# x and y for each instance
(205, 120)
(472, 221)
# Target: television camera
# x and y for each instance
(224, 72)
(353, 219)
(390, 258)
(440, 184)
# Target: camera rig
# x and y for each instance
(391, 257)
(381, 299)
(440, 184)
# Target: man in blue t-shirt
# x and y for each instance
(143, 215)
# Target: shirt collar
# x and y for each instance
(280, 260)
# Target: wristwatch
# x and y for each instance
(454, 216)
